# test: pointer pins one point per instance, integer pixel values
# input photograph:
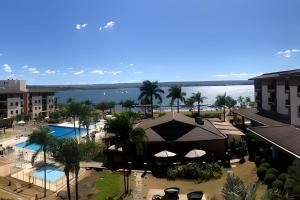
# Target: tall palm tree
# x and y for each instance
(41, 136)
(74, 109)
(175, 93)
(224, 100)
(61, 152)
(151, 90)
(199, 99)
(145, 102)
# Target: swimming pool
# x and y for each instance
(52, 173)
(64, 132)
(56, 131)
(33, 147)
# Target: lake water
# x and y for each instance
(118, 95)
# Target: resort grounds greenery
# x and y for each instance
(195, 171)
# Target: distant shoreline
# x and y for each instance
(136, 85)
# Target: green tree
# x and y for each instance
(292, 184)
(41, 136)
(199, 99)
(62, 152)
(145, 102)
(129, 104)
(152, 91)
(235, 189)
(175, 93)
(74, 109)
(224, 100)
(190, 103)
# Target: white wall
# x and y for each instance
(295, 102)
(13, 108)
(265, 95)
(36, 105)
(281, 96)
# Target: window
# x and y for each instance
(298, 88)
(35, 101)
(39, 108)
(17, 111)
(35, 108)
(17, 103)
(12, 112)
(35, 114)
(39, 101)
(11, 104)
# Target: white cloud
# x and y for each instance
(137, 72)
(79, 72)
(35, 72)
(80, 26)
(288, 53)
(237, 75)
(31, 69)
(131, 64)
(113, 72)
(48, 71)
(7, 68)
(100, 72)
(108, 25)
(24, 67)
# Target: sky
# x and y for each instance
(116, 41)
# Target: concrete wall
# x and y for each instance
(281, 97)
(12, 108)
(19, 85)
(50, 104)
(36, 105)
(295, 103)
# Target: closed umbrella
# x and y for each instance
(165, 154)
(21, 122)
(195, 153)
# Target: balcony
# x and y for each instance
(271, 88)
(287, 103)
(272, 101)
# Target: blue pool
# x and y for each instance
(58, 132)
(63, 132)
(52, 173)
(33, 147)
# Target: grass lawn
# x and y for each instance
(107, 185)
(212, 188)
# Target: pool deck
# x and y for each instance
(152, 192)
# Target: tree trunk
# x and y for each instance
(74, 126)
(178, 105)
(76, 184)
(79, 132)
(151, 101)
(45, 176)
(224, 113)
(68, 185)
(199, 108)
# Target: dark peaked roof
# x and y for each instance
(285, 137)
(277, 74)
(176, 127)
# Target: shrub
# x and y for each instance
(257, 160)
(272, 171)
(171, 174)
(269, 179)
(282, 177)
(261, 172)
(263, 160)
(277, 185)
(266, 165)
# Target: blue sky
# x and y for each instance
(97, 41)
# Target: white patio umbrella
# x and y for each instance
(21, 122)
(114, 148)
(195, 153)
(165, 154)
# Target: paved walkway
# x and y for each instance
(137, 193)
(152, 192)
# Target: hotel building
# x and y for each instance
(16, 99)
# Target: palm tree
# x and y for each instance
(138, 138)
(190, 103)
(235, 189)
(74, 109)
(151, 90)
(224, 100)
(41, 136)
(61, 152)
(199, 99)
(128, 104)
(145, 102)
(175, 93)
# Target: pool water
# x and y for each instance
(33, 147)
(64, 132)
(52, 173)
(56, 131)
